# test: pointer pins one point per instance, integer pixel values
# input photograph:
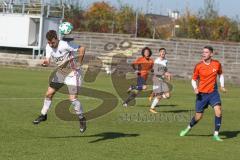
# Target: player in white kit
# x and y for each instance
(67, 57)
(161, 89)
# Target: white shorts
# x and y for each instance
(73, 81)
(160, 86)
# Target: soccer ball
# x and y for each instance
(65, 28)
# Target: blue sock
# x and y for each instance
(218, 122)
(193, 122)
(130, 98)
(139, 88)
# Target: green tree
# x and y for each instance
(99, 17)
(125, 20)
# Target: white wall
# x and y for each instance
(20, 31)
(14, 30)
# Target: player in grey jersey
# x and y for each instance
(161, 88)
(68, 73)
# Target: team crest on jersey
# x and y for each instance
(57, 59)
(214, 70)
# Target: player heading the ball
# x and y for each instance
(68, 58)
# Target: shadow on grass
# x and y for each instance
(102, 136)
(162, 105)
(227, 134)
(178, 111)
(167, 105)
(199, 135)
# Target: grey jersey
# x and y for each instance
(160, 67)
(63, 53)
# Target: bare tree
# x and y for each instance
(210, 10)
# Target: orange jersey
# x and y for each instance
(144, 66)
(206, 74)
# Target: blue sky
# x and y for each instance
(225, 7)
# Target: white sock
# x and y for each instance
(189, 127)
(216, 133)
(78, 108)
(46, 105)
(154, 103)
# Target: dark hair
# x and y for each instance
(51, 34)
(146, 48)
(163, 49)
(210, 48)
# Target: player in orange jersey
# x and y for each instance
(142, 66)
(204, 82)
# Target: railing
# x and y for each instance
(37, 9)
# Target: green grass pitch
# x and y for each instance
(126, 134)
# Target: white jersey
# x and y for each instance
(63, 53)
(64, 56)
(160, 66)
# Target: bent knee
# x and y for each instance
(218, 111)
(198, 116)
(49, 95)
(166, 95)
(144, 87)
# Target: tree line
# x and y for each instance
(103, 17)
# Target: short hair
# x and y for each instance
(210, 48)
(162, 49)
(149, 50)
(51, 34)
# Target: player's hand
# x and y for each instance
(137, 72)
(45, 63)
(196, 91)
(168, 75)
(223, 89)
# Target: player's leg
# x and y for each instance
(218, 122)
(79, 111)
(156, 100)
(202, 102)
(151, 96)
(132, 95)
(76, 105)
(73, 83)
(157, 91)
(141, 85)
(166, 95)
(154, 103)
(46, 105)
(215, 102)
(165, 87)
(195, 119)
(160, 91)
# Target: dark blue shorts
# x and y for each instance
(205, 99)
(141, 81)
